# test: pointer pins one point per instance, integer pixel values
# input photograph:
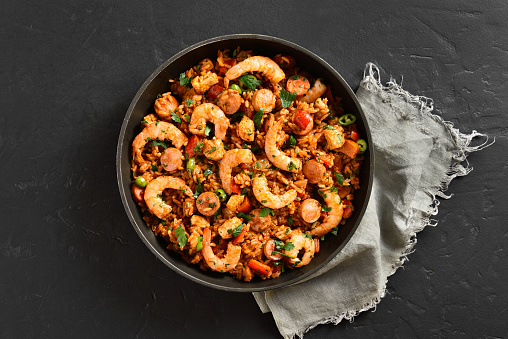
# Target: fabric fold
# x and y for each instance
(417, 155)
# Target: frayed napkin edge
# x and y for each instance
(372, 82)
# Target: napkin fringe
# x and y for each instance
(372, 82)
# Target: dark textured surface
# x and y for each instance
(73, 266)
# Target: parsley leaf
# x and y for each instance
(265, 211)
(340, 178)
(208, 128)
(281, 246)
(243, 215)
(236, 232)
(291, 143)
(286, 98)
(198, 148)
(237, 116)
(181, 237)
(326, 209)
(258, 117)
(175, 117)
(290, 221)
(158, 143)
(292, 166)
(189, 102)
(249, 81)
(207, 172)
(199, 190)
(187, 117)
(184, 80)
(295, 77)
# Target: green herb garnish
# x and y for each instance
(286, 98)
(208, 128)
(249, 81)
(265, 211)
(175, 117)
(158, 143)
(236, 231)
(243, 215)
(258, 117)
(181, 237)
(184, 80)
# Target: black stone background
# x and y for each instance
(71, 265)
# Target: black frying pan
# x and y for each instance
(142, 104)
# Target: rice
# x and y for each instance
(233, 239)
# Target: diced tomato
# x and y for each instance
(235, 188)
(300, 195)
(230, 63)
(302, 119)
(245, 206)
(214, 91)
(348, 209)
(240, 236)
(355, 136)
(259, 267)
(189, 149)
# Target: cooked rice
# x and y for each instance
(259, 224)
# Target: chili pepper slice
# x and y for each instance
(362, 145)
(347, 119)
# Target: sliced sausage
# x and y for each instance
(264, 99)
(314, 171)
(299, 84)
(207, 203)
(258, 223)
(269, 248)
(229, 101)
(165, 104)
(309, 210)
(171, 159)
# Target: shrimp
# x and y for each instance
(153, 194)
(160, 130)
(334, 217)
(231, 159)
(316, 91)
(300, 241)
(262, 64)
(275, 155)
(225, 264)
(209, 112)
(267, 198)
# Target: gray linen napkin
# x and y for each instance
(417, 154)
